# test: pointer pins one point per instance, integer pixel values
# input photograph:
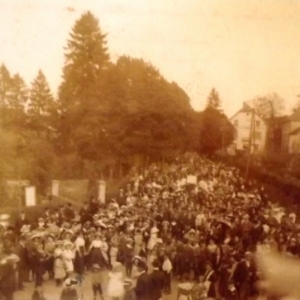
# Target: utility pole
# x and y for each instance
(250, 142)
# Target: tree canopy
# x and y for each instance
(268, 106)
(105, 114)
(213, 100)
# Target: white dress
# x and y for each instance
(68, 256)
(115, 287)
(152, 239)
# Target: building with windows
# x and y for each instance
(250, 128)
(284, 134)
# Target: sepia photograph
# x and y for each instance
(149, 150)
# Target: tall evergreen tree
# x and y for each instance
(213, 100)
(86, 57)
(41, 104)
(19, 93)
(5, 86)
(86, 60)
(15, 116)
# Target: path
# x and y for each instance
(52, 292)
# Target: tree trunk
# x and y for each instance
(111, 172)
(121, 170)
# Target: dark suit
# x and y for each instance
(212, 278)
(242, 278)
(20, 223)
(156, 284)
(23, 264)
(142, 288)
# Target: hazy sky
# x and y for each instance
(242, 48)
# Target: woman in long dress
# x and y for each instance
(113, 251)
(214, 253)
(95, 250)
(138, 242)
(153, 238)
(68, 257)
(49, 249)
(79, 262)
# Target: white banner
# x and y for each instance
(17, 182)
(55, 188)
(102, 191)
(30, 196)
(191, 179)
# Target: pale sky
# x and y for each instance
(242, 48)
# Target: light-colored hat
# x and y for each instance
(67, 243)
(96, 266)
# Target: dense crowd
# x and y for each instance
(162, 226)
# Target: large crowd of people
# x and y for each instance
(189, 228)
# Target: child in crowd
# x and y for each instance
(59, 267)
(97, 278)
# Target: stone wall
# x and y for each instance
(76, 190)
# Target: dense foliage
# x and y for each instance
(106, 115)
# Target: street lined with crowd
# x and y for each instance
(186, 230)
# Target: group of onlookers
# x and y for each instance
(163, 227)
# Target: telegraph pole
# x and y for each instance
(250, 142)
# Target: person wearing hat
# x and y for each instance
(23, 266)
(128, 254)
(95, 251)
(40, 225)
(129, 290)
(21, 221)
(210, 280)
(98, 280)
(79, 262)
(39, 262)
(7, 275)
(243, 276)
(142, 287)
(10, 234)
(68, 254)
(138, 241)
(156, 281)
(59, 267)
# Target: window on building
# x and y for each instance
(257, 135)
(236, 123)
(257, 124)
(245, 146)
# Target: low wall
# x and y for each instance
(76, 190)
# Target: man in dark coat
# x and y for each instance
(156, 282)
(211, 278)
(242, 277)
(21, 221)
(142, 288)
(23, 265)
(84, 213)
(8, 267)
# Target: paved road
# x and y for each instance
(52, 292)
